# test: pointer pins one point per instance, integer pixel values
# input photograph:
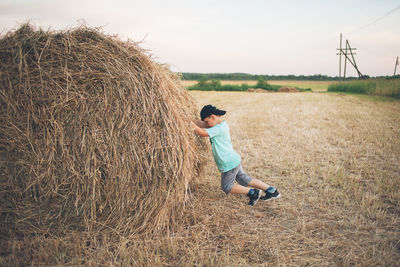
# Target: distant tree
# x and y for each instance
(202, 82)
(215, 84)
(261, 83)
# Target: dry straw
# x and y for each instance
(94, 135)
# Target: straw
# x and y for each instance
(95, 135)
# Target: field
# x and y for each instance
(314, 85)
(96, 172)
(335, 159)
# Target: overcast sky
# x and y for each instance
(251, 36)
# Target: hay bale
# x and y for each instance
(251, 90)
(95, 135)
(288, 89)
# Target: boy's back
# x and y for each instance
(225, 156)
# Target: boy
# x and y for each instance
(228, 161)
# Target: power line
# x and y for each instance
(375, 21)
(367, 48)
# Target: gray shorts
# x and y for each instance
(228, 178)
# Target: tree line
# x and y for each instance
(245, 76)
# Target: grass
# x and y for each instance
(216, 85)
(335, 159)
(378, 87)
(314, 85)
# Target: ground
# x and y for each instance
(334, 158)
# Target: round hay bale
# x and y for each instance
(288, 89)
(95, 135)
(250, 90)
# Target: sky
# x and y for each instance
(272, 37)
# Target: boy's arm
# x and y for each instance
(201, 124)
(199, 131)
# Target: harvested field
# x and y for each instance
(335, 159)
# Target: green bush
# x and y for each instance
(215, 85)
(262, 83)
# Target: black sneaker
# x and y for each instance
(271, 193)
(254, 197)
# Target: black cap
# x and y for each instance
(209, 110)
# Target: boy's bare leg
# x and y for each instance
(258, 184)
(239, 189)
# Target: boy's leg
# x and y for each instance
(239, 189)
(228, 186)
(245, 180)
(228, 182)
(253, 194)
(258, 184)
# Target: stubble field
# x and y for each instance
(335, 159)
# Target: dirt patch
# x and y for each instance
(288, 90)
(257, 90)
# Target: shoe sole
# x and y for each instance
(278, 196)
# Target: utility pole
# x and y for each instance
(345, 62)
(354, 61)
(395, 66)
(340, 57)
(347, 52)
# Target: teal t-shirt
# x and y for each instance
(225, 156)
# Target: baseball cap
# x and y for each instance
(209, 110)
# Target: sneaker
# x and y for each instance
(271, 193)
(254, 197)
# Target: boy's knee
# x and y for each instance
(226, 188)
(245, 182)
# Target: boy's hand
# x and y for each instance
(200, 124)
(198, 130)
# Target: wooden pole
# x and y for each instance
(349, 59)
(340, 57)
(395, 66)
(354, 62)
(345, 62)
(346, 52)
